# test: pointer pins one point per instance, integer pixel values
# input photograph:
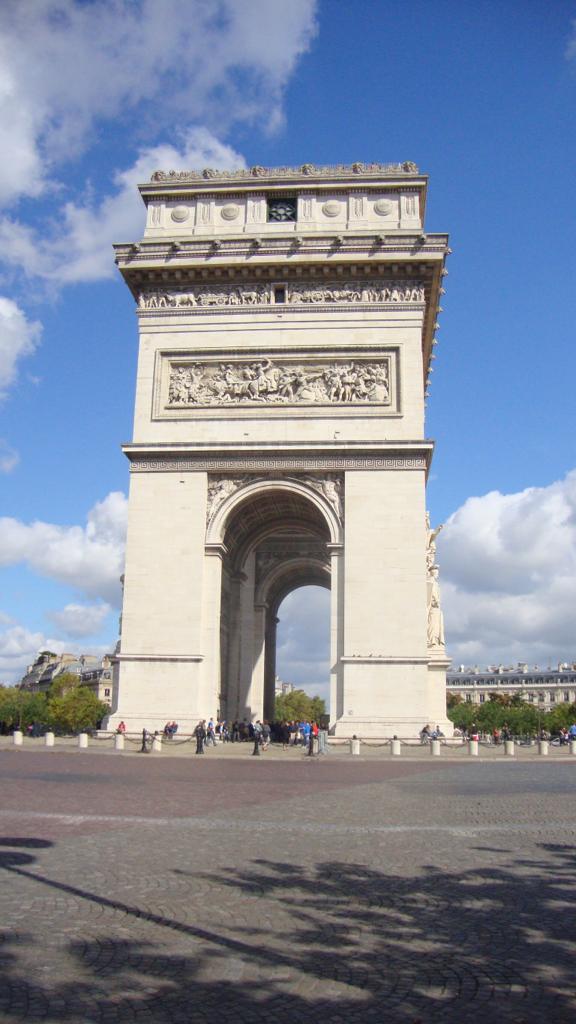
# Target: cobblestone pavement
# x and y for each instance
(140, 889)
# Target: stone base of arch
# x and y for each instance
(210, 557)
(389, 697)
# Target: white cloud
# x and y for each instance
(9, 458)
(88, 558)
(79, 247)
(19, 648)
(508, 575)
(79, 620)
(18, 338)
(150, 64)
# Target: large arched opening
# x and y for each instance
(274, 537)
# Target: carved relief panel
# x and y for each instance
(189, 382)
(230, 213)
(256, 209)
(386, 210)
(204, 208)
(410, 210)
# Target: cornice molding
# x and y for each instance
(296, 247)
(158, 657)
(162, 460)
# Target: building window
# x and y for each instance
(281, 209)
(482, 698)
(552, 698)
(279, 293)
(566, 696)
(541, 697)
(107, 691)
(468, 698)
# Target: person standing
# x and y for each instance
(285, 735)
(266, 733)
(257, 733)
(200, 734)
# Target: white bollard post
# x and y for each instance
(17, 737)
(473, 748)
(119, 741)
(573, 746)
(157, 744)
(509, 748)
(83, 740)
(49, 739)
(355, 746)
(543, 748)
(396, 747)
(435, 748)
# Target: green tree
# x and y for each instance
(20, 708)
(9, 707)
(463, 715)
(75, 710)
(522, 717)
(561, 717)
(503, 699)
(317, 709)
(62, 683)
(297, 705)
(32, 707)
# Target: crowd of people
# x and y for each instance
(260, 733)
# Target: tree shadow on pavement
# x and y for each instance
(340, 941)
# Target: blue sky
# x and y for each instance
(96, 95)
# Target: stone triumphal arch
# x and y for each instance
(287, 322)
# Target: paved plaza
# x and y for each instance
(181, 889)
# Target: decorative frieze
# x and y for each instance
(285, 382)
(362, 291)
(202, 295)
(255, 463)
(308, 170)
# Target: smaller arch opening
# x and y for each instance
(303, 640)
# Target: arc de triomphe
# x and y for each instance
(287, 321)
